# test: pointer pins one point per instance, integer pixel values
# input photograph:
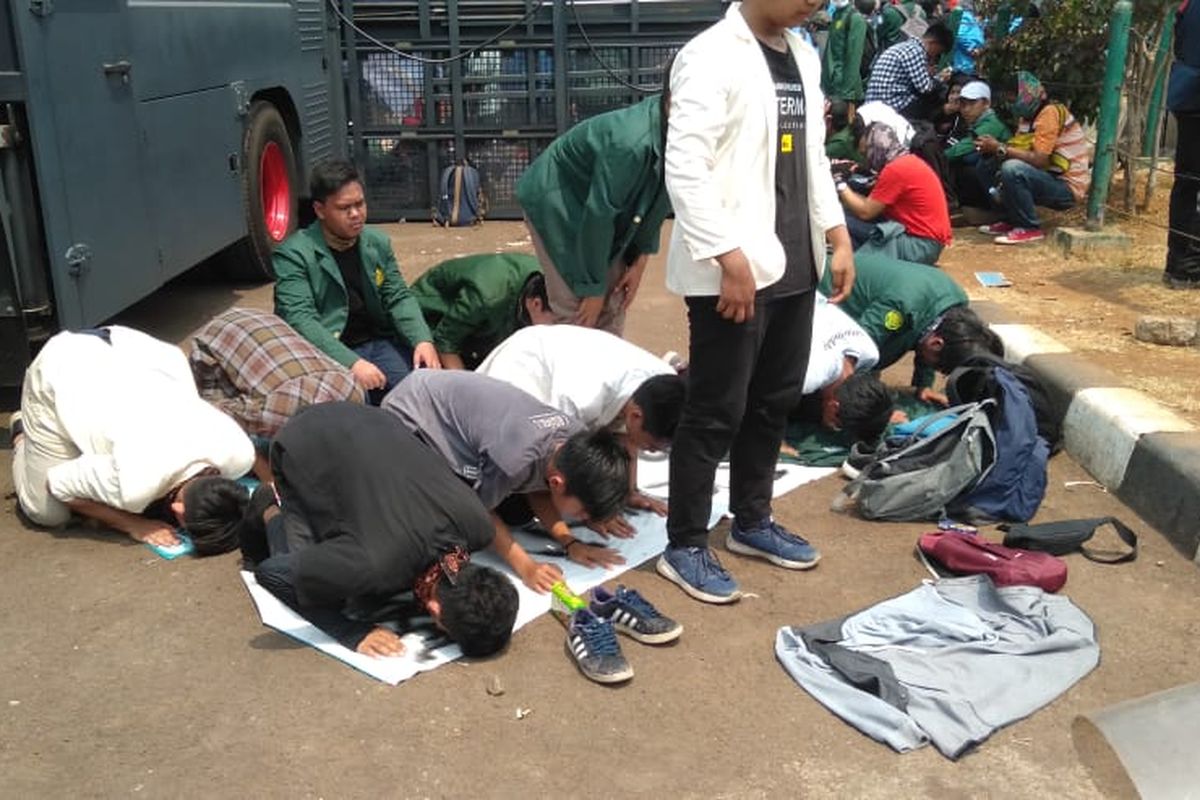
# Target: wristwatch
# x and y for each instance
(1002, 151)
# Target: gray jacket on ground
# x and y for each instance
(949, 663)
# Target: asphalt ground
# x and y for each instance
(125, 675)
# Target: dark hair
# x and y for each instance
(858, 128)
(478, 610)
(329, 177)
(596, 469)
(865, 407)
(964, 333)
(661, 401)
(930, 7)
(212, 513)
(866, 7)
(534, 289)
(941, 35)
(839, 114)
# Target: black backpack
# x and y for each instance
(976, 383)
(927, 146)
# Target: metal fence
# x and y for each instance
(430, 82)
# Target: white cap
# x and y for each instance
(976, 90)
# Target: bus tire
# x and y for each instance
(270, 193)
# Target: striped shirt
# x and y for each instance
(253, 366)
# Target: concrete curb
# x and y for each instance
(1145, 454)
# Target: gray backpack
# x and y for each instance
(915, 477)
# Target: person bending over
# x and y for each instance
(600, 379)
(475, 302)
(366, 512)
(503, 442)
(111, 428)
(904, 76)
(337, 284)
(253, 366)
(908, 200)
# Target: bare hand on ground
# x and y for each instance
(542, 577)
(617, 526)
(158, 534)
(930, 396)
(368, 375)
(591, 555)
(381, 643)
(644, 502)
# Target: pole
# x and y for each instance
(1154, 112)
(1110, 110)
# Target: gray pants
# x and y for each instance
(564, 303)
(43, 446)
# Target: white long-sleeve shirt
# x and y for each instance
(131, 413)
(585, 373)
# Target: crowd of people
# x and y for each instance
(395, 430)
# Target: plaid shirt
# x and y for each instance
(900, 75)
(255, 368)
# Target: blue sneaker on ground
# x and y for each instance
(634, 615)
(775, 543)
(697, 571)
(592, 643)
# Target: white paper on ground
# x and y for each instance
(649, 541)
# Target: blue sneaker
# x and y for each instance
(775, 543)
(697, 571)
(592, 643)
(634, 615)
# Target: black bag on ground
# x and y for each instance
(1067, 536)
(977, 385)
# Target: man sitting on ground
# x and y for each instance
(255, 368)
(111, 428)
(908, 196)
(475, 302)
(1044, 164)
(600, 379)
(368, 512)
(337, 284)
(503, 442)
(903, 75)
(911, 307)
(976, 118)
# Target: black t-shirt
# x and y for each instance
(791, 178)
(358, 324)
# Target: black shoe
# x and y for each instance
(1172, 282)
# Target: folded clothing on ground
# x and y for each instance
(950, 662)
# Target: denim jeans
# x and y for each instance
(1024, 186)
(395, 364)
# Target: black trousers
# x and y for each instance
(1183, 253)
(742, 381)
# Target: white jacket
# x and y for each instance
(720, 157)
(130, 415)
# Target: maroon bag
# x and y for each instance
(968, 554)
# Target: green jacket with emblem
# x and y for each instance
(473, 298)
(598, 194)
(841, 61)
(895, 302)
(988, 124)
(310, 294)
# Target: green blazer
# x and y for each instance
(841, 61)
(895, 302)
(598, 194)
(310, 294)
(988, 124)
(473, 298)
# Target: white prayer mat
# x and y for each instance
(426, 648)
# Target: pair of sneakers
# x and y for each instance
(1009, 234)
(697, 571)
(592, 632)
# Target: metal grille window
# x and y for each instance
(499, 103)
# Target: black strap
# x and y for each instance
(1067, 536)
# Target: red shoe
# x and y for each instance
(996, 228)
(1021, 236)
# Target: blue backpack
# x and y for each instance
(461, 202)
(1014, 487)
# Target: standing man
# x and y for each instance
(595, 203)
(841, 61)
(337, 284)
(1183, 99)
(903, 75)
(755, 204)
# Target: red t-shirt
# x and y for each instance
(914, 197)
